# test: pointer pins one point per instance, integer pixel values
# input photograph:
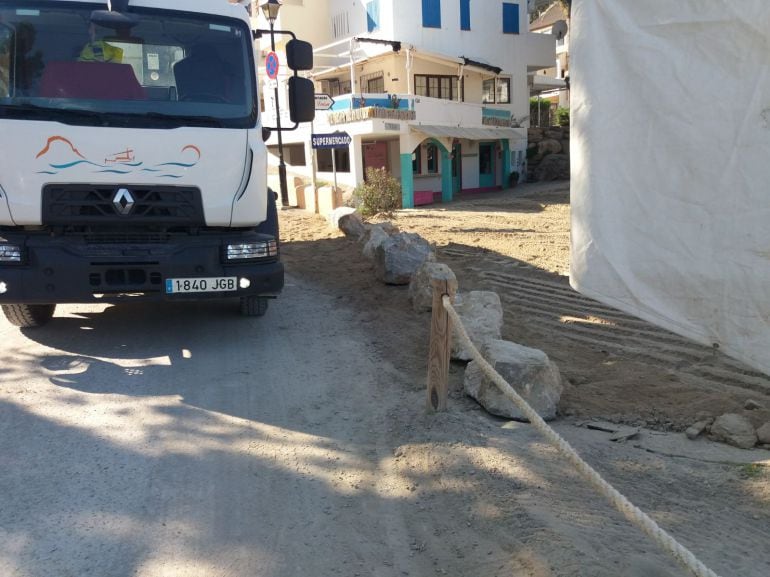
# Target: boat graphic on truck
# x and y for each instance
(134, 159)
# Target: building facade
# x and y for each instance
(435, 91)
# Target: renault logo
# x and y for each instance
(123, 202)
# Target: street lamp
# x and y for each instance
(270, 10)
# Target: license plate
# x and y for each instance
(201, 285)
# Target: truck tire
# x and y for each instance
(28, 316)
(253, 306)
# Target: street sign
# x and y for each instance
(323, 101)
(331, 140)
(272, 65)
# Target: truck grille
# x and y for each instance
(84, 204)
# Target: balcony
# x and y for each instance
(414, 110)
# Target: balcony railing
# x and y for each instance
(408, 108)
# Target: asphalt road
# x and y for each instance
(185, 440)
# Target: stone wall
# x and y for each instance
(548, 154)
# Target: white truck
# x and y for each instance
(132, 157)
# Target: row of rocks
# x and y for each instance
(733, 428)
(403, 258)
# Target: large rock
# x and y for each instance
(375, 235)
(549, 146)
(529, 371)
(398, 257)
(482, 315)
(553, 167)
(534, 135)
(554, 133)
(734, 430)
(763, 434)
(420, 288)
(336, 216)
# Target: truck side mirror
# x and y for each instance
(299, 55)
(301, 100)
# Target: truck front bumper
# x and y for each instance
(68, 269)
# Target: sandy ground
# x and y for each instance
(616, 368)
(156, 440)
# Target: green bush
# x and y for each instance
(380, 194)
(562, 116)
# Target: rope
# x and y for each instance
(628, 509)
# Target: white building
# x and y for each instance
(433, 90)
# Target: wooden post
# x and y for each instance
(443, 283)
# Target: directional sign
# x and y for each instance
(272, 65)
(323, 101)
(332, 140)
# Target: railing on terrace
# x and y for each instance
(406, 108)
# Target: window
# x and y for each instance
(445, 87)
(432, 154)
(417, 160)
(488, 91)
(373, 83)
(373, 15)
(431, 13)
(341, 158)
(340, 25)
(504, 90)
(465, 14)
(510, 18)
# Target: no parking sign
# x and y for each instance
(272, 65)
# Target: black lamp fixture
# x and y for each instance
(270, 10)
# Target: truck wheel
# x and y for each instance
(253, 306)
(28, 316)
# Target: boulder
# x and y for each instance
(375, 235)
(752, 405)
(734, 430)
(565, 147)
(535, 135)
(694, 431)
(529, 371)
(763, 434)
(554, 133)
(348, 221)
(549, 146)
(398, 257)
(420, 289)
(553, 167)
(482, 315)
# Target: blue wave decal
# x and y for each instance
(114, 171)
(150, 170)
(46, 172)
(182, 164)
(75, 163)
(169, 176)
(131, 163)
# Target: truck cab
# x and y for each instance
(133, 162)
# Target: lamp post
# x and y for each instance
(270, 10)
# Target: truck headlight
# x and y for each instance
(10, 253)
(252, 250)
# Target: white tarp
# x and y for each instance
(671, 165)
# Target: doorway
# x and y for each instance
(486, 165)
(457, 168)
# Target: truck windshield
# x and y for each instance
(154, 68)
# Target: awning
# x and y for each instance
(471, 133)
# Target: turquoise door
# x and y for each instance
(457, 175)
(486, 165)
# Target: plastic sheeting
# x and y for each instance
(671, 165)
